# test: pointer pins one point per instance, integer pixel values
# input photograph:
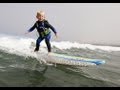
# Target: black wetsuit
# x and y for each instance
(44, 33)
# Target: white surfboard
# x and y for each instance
(66, 59)
(73, 60)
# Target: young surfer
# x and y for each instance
(43, 28)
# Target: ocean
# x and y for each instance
(21, 67)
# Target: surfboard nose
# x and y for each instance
(98, 62)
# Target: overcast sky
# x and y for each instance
(81, 22)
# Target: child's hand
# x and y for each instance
(26, 32)
(56, 35)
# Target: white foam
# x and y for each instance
(68, 45)
(21, 46)
(16, 45)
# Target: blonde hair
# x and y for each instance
(41, 13)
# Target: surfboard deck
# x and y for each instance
(74, 60)
(67, 59)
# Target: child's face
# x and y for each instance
(40, 17)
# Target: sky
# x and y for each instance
(75, 22)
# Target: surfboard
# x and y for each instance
(73, 60)
(66, 59)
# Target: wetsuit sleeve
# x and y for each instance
(32, 28)
(51, 27)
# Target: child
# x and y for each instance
(42, 27)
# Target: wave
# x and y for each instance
(22, 45)
(69, 45)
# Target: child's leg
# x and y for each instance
(38, 43)
(47, 40)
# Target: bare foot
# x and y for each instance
(49, 53)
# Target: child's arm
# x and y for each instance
(52, 28)
(31, 29)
